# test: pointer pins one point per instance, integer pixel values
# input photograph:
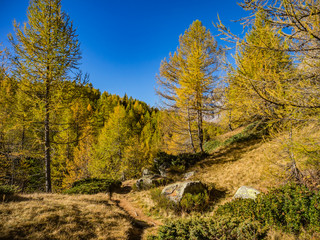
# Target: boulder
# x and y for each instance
(176, 191)
(188, 175)
(246, 192)
(149, 181)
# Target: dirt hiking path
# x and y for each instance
(140, 221)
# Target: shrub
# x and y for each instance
(161, 201)
(189, 202)
(8, 189)
(228, 228)
(212, 145)
(292, 208)
(181, 161)
(93, 186)
(194, 202)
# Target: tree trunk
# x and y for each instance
(190, 132)
(47, 136)
(200, 129)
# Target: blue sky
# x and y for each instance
(124, 41)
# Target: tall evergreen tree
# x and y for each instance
(259, 74)
(187, 80)
(46, 50)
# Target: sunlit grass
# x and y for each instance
(53, 216)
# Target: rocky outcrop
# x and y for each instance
(176, 191)
(149, 181)
(246, 192)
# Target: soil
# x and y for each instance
(140, 221)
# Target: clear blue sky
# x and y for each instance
(124, 41)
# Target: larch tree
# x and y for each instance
(109, 152)
(259, 72)
(46, 50)
(297, 21)
(186, 80)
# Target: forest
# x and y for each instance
(57, 131)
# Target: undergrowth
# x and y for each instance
(292, 208)
(229, 228)
(93, 186)
(180, 162)
(196, 202)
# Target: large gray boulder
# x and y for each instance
(176, 191)
(246, 192)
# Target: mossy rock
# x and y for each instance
(176, 191)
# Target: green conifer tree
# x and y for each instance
(46, 49)
(187, 80)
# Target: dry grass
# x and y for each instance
(236, 165)
(53, 216)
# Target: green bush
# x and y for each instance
(181, 161)
(228, 228)
(93, 186)
(8, 189)
(194, 202)
(189, 202)
(212, 145)
(292, 208)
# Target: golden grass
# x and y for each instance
(54, 216)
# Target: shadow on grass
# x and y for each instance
(12, 198)
(124, 190)
(230, 153)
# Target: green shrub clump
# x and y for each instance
(194, 202)
(8, 189)
(189, 203)
(292, 208)
(212, 145)
(227, 227)
(93, 186)
(181, 161)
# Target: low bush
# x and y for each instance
(228, 228)
(8, 189)
(292, 208)
(181, 161)
(93, 186)
(189, 202)
(212, 145)
(194, 202)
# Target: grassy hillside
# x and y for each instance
(54, 216)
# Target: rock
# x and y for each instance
(163, 169)
(188, 175)
(123, 177)
(149, 181)
(146, 172)
(176, 191)
(246, 192)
